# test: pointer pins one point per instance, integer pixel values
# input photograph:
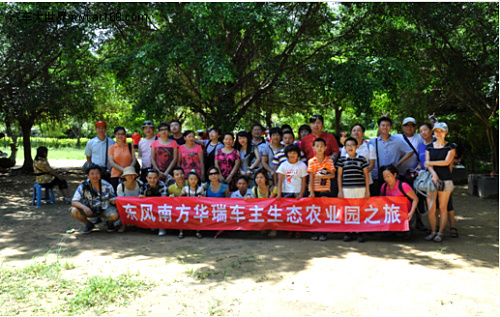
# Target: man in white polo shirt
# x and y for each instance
(96, 149)
(413, 140)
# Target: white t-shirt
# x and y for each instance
(145, 152)
(188, 192)
(121, 190)
(237, 194)
(293, 173)
(412, 162)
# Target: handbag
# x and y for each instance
(423, 184)
(137, 166)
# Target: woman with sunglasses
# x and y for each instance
(214, 188)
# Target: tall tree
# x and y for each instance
(44, 64)
(219, 59)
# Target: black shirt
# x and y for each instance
(443, 172)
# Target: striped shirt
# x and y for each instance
(280, 157)
(352, 170)
(320, 185)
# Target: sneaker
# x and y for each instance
(322, 237)
(420, 225)
(88, 228)
(110, 226)
(96, 220)
(360, 238)
(314, 236)
(181, 235)
(162, 232)
(198, 235)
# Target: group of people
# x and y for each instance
(176, 163)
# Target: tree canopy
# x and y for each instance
(224, 64)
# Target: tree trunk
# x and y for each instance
(492, 135)
(338, 116)
(269, 119)
(79, 134)
(28, 160)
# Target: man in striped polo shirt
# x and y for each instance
(353, 178)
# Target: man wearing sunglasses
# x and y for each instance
(413, 140)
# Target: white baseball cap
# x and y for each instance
(409, 119)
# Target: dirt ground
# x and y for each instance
(245, 273)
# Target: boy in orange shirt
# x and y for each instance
(321, 170)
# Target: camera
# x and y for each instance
(96, 210)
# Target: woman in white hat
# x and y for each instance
(438, 157)
(130, 187)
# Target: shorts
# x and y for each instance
(354, 192)
(448, 186)
(108, 212)
(62, 184)
(326, 194)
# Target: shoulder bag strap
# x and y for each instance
(411, 145)
(106, 154)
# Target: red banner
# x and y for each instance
(307, 214)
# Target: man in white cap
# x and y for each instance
(145, 148)
(96, 149)
(413, 140)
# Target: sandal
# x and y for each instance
(453, 232)
(438, 237)
(181, 235)
(430, 236)
(198, 235)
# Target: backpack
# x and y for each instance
(400, 187)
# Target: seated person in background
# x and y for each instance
(9, 162)
(243, 190)
(48, 177)
(93, 198)
(154, 188)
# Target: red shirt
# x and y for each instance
(307, 144)
(136, 138)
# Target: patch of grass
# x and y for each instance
(39, 289)
(98, 292)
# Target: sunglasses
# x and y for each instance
(216, 173)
